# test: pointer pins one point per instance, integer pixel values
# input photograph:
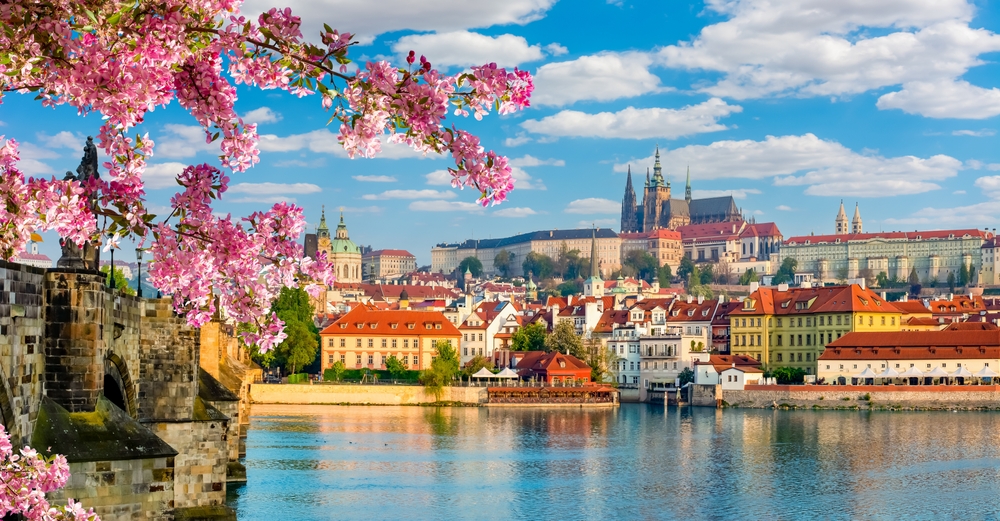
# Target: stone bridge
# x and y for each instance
(150, 412)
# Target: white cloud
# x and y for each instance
(444, 206)
(63, 139)
(825, 167)
(266, 199)
(529, 160)
(524, 181)
(184, 141)
(370, 19)
(740, 193)
(325, 142)
(593, 205)
(600, 223)
(374, 178)
(361, 209)
(822, 48)
(521, 139)
(758, 212)
(600, 77)
(31, 156)
(986, 132)
(439, 178)
(515, 212)
(319, 162)
(975, 215)
(633, 123)
(274, 188)
(262, 116)
(958, 192)
(944, 99)
(465, 49)
(555, 49)
(784, 208)
(162, 175)
(410, 194)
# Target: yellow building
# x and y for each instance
(789, 327)
(366, 336)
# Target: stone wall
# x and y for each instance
(200, 465)
(168, 366)
(361, 394)
(122, 490)
(701, 395)
(831, 396)
(22, 343)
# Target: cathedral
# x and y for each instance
(341, 252)
(658, 210)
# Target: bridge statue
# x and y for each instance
(89, 256)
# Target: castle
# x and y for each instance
(659, 211)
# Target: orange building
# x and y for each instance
(366, 336)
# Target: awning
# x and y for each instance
(867, 373)
(912, 372)
(888, 373)
(962, 373)
(506, 373)
(937, 372)
(484, 373)
(985, 372)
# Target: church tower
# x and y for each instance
(841, 225)
(687, 187)
(629, 217)
(856, 222)
(323, 234)
(656, 196)
(594, 286)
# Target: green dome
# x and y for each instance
(341, 242)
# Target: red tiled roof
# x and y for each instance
(911, 307)
(830, 299)
(761, 230)
(971, 326)
(693, 312)
(372, 321)
(389, 253)
(723, 362)
(901, 236)
(724, 230)
(610, 317)
(890, 339)
(958, 304)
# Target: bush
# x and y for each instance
(298, 378)
(383, 374)
(789, 375)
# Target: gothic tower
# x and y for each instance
(856, 222)
(687, 187)
(629, 217)
(657, 194)
(841, 222)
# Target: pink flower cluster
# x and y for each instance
(122, 59)
(26, 476)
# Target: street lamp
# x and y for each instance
(111, 270)
(138, 279)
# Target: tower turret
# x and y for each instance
(322, 231)
(687, 187)
(856, 222)
(841, 221)
(629, 218)
(657, 169)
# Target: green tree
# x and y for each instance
(789, 375)
(685, 377)
(882, 280)
(473, 366)
(529, 338)
(601, 361)
(664, 276)
(299, 348)
(972, 274)
(786, 273)
(395, 367)
(748, 276)
(913, 279)
(951, 281)
(643, 263)
(705, 275)
(442, 371)
(504, 263)
(694, 278)
(842, 275)
(570, 287)
(963, 275)
(471, 264)
(539, 264)
(336, 371)
(565, 340)
(121, 283)
(265, 360)
(687, 265)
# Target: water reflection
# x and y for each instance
(636, 462)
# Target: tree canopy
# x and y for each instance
(471, 264)
(565, 340)
(300, 347)
(542, 266)
(643, 263)
(504, 263)
(786, 272)
(529, 338)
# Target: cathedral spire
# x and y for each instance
(595, 270)
(657, 169)
(856, 222)
(687, 188)
(322, 230)
(841, 221)
(647, 177)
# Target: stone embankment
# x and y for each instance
(937, 397)
(331, 394)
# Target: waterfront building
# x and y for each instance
(952, 352)
(720, 326)
(989, 271)
(841, 256)
(381, 264)
(709, 372)
(552, 368)
(788, 327)
(341, 252)
(481, 326)
(445, 258)
(365, 336)
(622, 339)
(665, 352)
(658, 210)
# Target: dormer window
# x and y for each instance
(373, 325)
(360, 325)
(343, 326)
(410, 325)
(437, 326)
(394, 325)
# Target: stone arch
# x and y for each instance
(118, 385)
(7, 413)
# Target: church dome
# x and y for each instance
(342, 242)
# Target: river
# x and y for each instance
(634, 462)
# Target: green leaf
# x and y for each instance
(90, 15)
(115, 18)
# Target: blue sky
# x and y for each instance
(790, 107)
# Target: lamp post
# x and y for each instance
(138, 279)
(111, 270)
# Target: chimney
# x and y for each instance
(754, 286)
(701, 299)
(882, 294)
(782, 287)
(906, 297)
(690, 299)
(951, 296)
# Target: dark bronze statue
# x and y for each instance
(88, 257)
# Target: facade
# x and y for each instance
(989, 271)
(341, 252)
(365, 336)
(665, 353)
(658, 210)
(624, 345)
(480, 328)
(932, 254)
(664, 245)
(945, 352)
(736, 242)
(553, 368)
(446, 257)
(710, 372)
(380, 264)
(789, 327)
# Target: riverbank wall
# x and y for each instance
(944, 397)
(327, 394)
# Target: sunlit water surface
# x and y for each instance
(636, 462)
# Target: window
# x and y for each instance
(808, 321)
(675, 365)
(779, 340)
(861, 320)
(897, 366)
(359, 359)
(480, 337)
(883, 321)
(343, 342)
(779, 357)
(371, 342)
(329, 359)
(406, 342)
(465, 337)
(871, 320)
(371, 359)
(342, 359)
(384, 341)
(744, 322)
(416, 361)
(779, 322)
(465, 351)
(800, 339)
(758, 340)
(751, 339)
(808, 357)
(358, 343)
(800, 321)
(744, 340)
(800, 357)
(838, 320)
(383, 360)
(406, 359)
(828, 367)
(393, 342)
(892, 321)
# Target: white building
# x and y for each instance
(31, 257)
(665, 353)
(624, 345)
(735, 378)
(481, 326)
